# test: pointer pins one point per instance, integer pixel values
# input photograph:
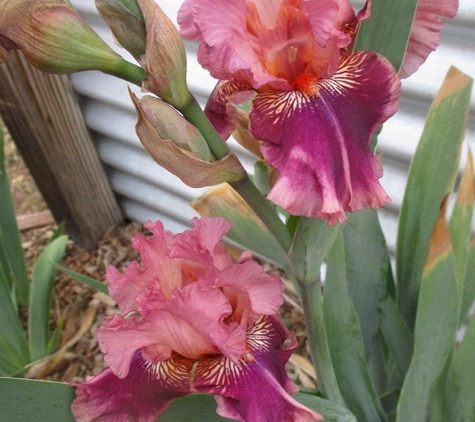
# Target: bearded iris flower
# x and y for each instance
(192, 320)
(316, 103)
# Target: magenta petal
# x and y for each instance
(319, 140)
(142, 396)
(220, 108)
(256, 389)
(425, 32)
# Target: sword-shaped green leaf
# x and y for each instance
(42, 285)
(431, 178)
(435, 328)
(13, 342)
(345, 341)
(12, 257)
(367, 265)
(88, 281)
(460, 227)
(387, 30)
(24, 400)
(468, 292)
(460, 386)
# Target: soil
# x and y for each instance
(81, 309)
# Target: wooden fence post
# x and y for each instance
(42, 115)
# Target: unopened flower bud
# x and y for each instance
(54, 37)
(126, 22)
(178, 146)
(165, 58)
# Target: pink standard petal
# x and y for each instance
(202, 244)
(256, 388)
(195, 321)
(119, 339)
(142, 396)
(251, 291)
(184, 324)
(124, 288)
(319, 142)
(226, 51)
(155, 265)
(425, 33)
(153, 252)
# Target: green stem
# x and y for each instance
(196, 116)
(129, 72)
(248, 191)
(264, 211)
(312, 301)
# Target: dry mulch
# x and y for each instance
(80, 308)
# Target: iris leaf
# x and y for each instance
(431, 178)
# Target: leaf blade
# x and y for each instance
(345, 341)
(431, 178)
(32, 400)
(388, 29)
(10, 236)
(42, 285)
(435, 327)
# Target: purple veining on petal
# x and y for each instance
(319, 140)
(142, 396)
(256, 388)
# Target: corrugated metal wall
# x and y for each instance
(148, 192)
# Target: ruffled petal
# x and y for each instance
(153, 252)
(226, 51)
(425, 33)
(318, 138)
(184, 324)
(142, 396)
(124, 288)
(257, 387)
(202, 244)
(155, 264)
(251, 291)
(195, 320)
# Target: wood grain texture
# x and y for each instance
(46, 123)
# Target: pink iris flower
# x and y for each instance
(192, 320)
(316, 103)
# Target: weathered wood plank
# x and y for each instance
(46, 123)
(32, 221)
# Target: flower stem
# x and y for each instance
(129, 72)
(196, 116)
(312, 301)
(264, 211)
(244, 187)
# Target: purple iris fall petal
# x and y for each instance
(318, 138)
(256, 389)
(142, 395)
